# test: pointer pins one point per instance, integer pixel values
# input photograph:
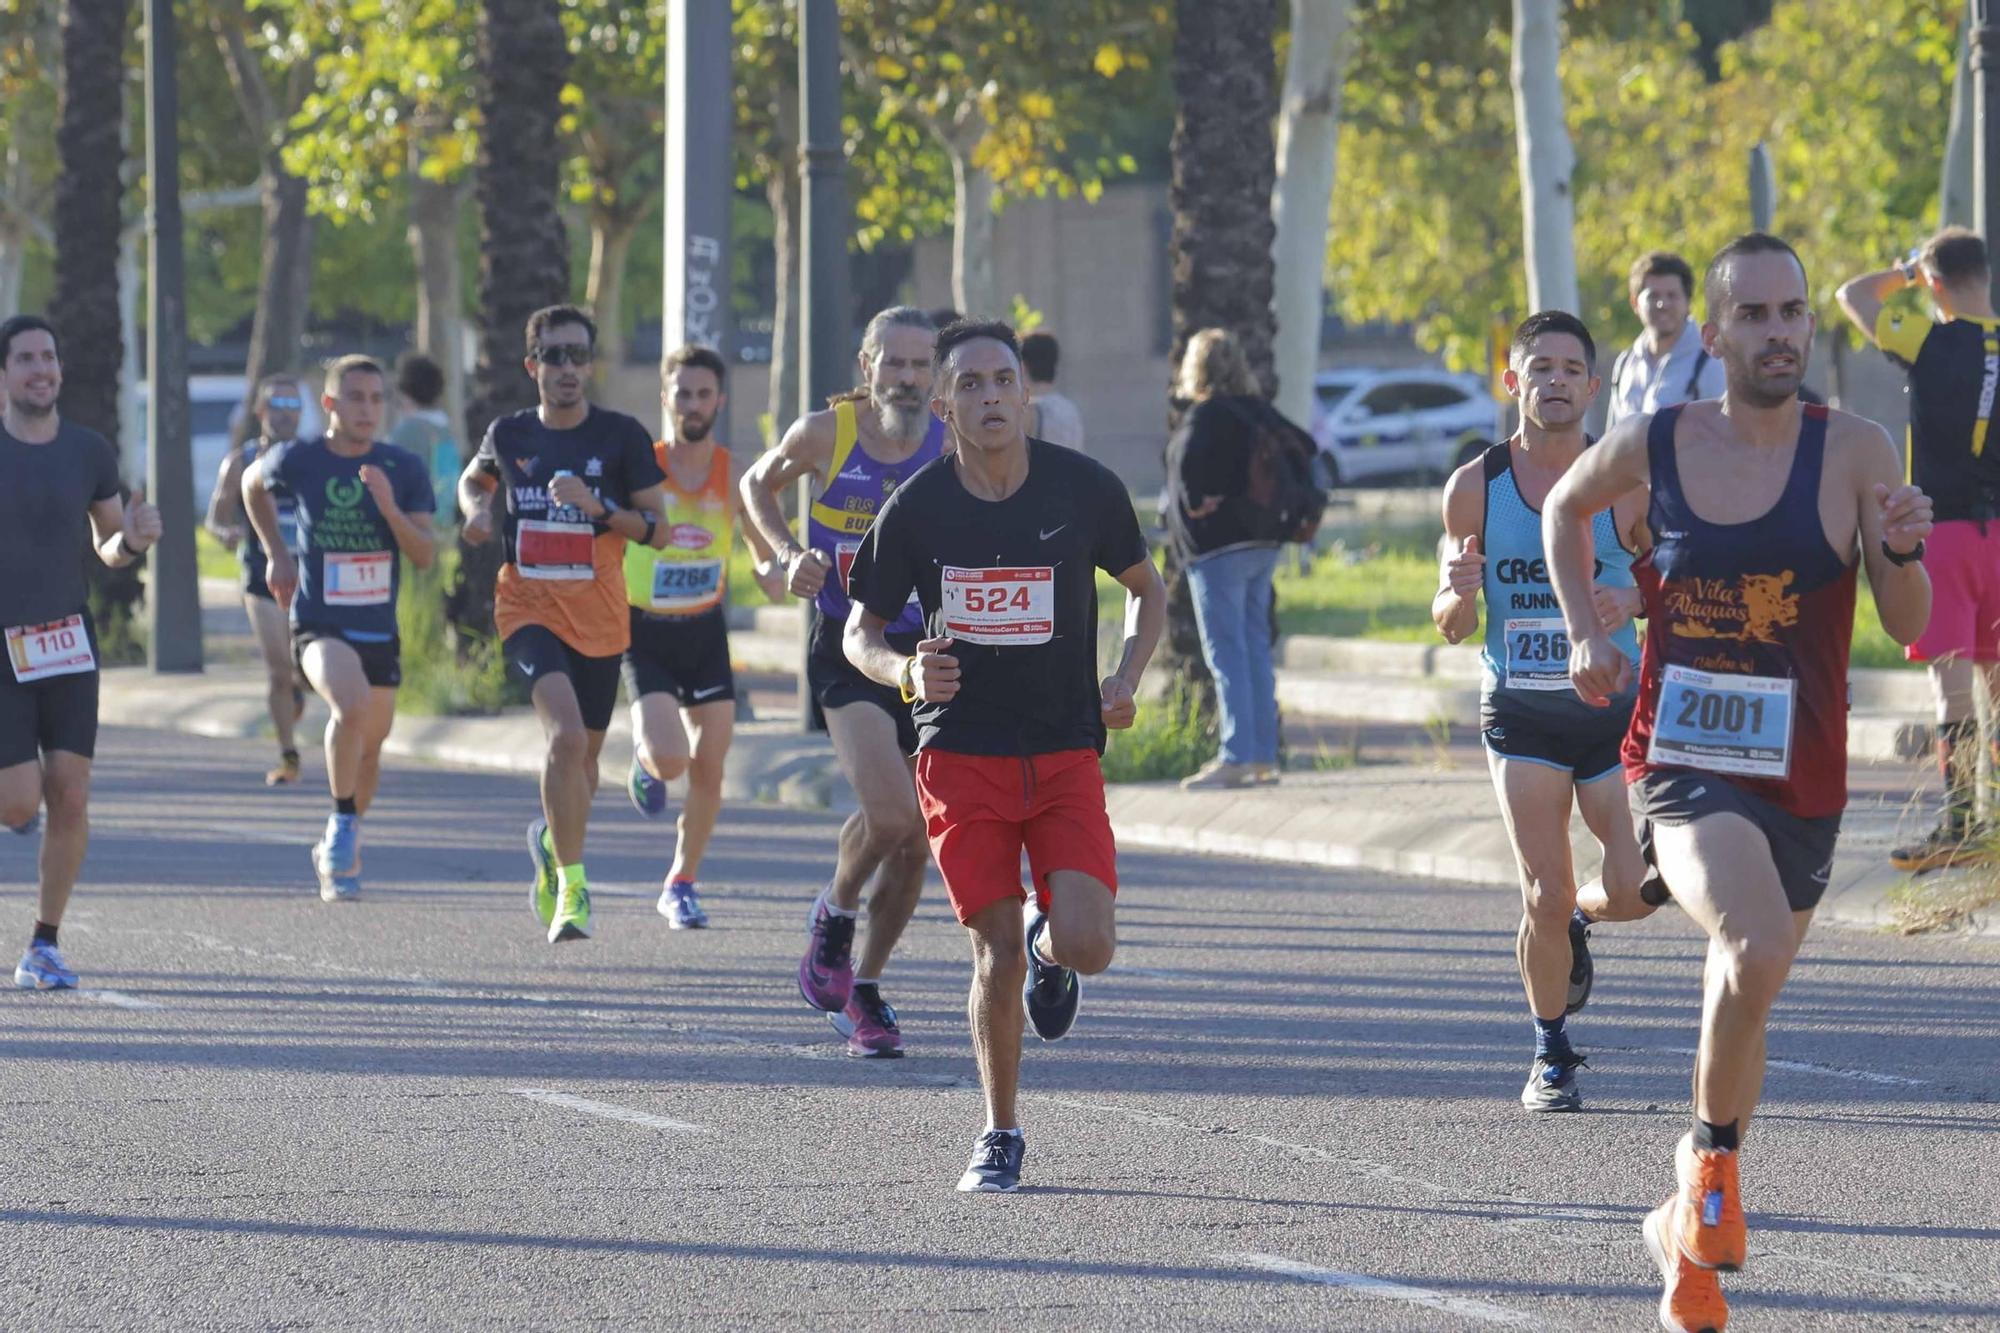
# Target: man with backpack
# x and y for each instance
(1667, 363)
(1239, 479)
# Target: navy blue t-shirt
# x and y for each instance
(349, 565)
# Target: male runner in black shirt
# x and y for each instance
(1000, 541)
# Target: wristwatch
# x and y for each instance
(1896, 559)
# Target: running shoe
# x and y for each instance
(1217, 775)
(28, 829)
(43, 967)
(1582, 971)
(648, 793)
(542, 851)
(1952, 843)
(1552, 1084)
(869, 1025)
(1052, 991)
(1692, 1301)
(681, 906)
(339, 888)
(826, 973)
(1711, 1231)
(572, 915)
(339, 849)
(996, 1163)
(286, 772)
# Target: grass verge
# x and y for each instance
(436, 681)
(1169, 741)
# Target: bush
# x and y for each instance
(436, 679)
(1169, 741)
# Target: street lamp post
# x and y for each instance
(699, 179)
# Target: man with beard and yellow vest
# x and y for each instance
(676, 672)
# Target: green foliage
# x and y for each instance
(1169, 740)
(435, 680)
(1375, 587)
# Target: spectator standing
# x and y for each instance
(1667, 363)
(1218, 536)
(421, 424)
(1054, 416)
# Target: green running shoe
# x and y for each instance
(542, 893)
(572, 918)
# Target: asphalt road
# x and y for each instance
(1291, 1106)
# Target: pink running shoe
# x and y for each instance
(869, 1025)
(826, 973)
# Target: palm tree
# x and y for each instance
(523, 248)
(1224, 170)
(84, 308)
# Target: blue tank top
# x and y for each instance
(1527, 648)
(856, 487)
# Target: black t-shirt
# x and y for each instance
(46, 491)
(1210, 456)
(611, 452)
(1012, 583)
(1954, 370)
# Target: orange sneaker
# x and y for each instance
(1692, 1301)
(1711, 1230)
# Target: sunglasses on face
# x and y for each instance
(285, 404)
(567, 355)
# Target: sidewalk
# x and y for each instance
(1428, 812)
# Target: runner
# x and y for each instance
(1544, 746)
(359, 504)
(1737, 753)
(857, 458)
(677, 673)
(578, 482)
(1953, 364)
(280, 400)
(58, 492)
(1000, 542)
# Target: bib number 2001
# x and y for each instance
(1724, 724)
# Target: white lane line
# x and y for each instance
(119, 999)
(606, 1110)
(1802, 1067)
(1462, 1306)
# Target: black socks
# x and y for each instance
(1714, 1138)
(344, 805)
(44, 933)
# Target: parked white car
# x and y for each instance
(1377, 425)
(213, 402)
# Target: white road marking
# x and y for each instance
(1463, 1306)
(1802, 1067)
(119, 999)
(606, 1110)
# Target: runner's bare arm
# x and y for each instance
(124, 529)
(1862, 298)
(1894, 515)
(476, 487)
(1617, 605)
(281, 575)
(1612, 468)
(1145, 621)
(1455, 609)
(415, 539)
(929, 674)
(806, 448)
(225, 502)
(770, 573)
(648, 503)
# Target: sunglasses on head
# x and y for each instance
(565, 355)
(284, 402)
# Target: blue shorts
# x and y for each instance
(1556, 732)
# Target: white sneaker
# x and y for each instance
(43, 967)
(1218, 774)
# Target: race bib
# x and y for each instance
(1537, 654)
(363, 579)
(59, 648)
(544, 550)
(843, 557)
(1724, 724)
(1013, 606)
(686, 585)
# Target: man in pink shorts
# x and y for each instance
(1953, 362)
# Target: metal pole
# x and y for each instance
(699, 180)
(173, 595)
(1763, 188)
(1985, 36)
(824, 315)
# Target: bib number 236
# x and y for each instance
(1013, 605)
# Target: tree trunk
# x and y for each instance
(13, 260)
(1548, 222)
(284, 278)
(1955, 191)
(89, 210)
(523, 249)
(971, 235)
(440, 331)
(611, 233)
(782, 189)
(1308, 132)
(1224, 169)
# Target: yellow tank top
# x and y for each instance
(690, 574)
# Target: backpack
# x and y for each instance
(1284, 499)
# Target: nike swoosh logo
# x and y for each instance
(713, 689)
(527, 669)
(1053, 531)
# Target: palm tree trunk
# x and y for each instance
(433, 238)
(523, 248)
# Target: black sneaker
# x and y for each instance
(1582, 971)
(1052, 992)
(1954, 842)
(1552, 1084)
(996, 1163)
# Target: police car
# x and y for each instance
(1379, 425)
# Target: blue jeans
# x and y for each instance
(1232, 608)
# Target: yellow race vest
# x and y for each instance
(690, 574)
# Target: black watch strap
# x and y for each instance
(1909, 559)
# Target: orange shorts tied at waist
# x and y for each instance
(980, 811)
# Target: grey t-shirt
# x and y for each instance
(46, 491)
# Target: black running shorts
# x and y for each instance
(381, 661)
(55, 713)
(685, 656)
(835, 683)
(536, 651)
(1801, 848)
(1582, 741)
